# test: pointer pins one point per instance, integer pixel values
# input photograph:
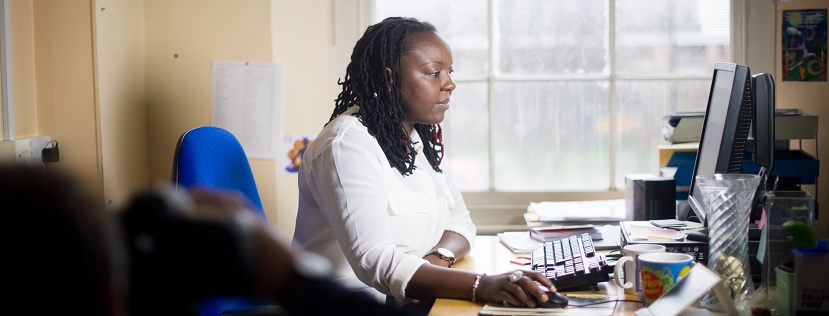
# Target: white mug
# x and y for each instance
(629, 278)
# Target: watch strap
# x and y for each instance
(437, 253)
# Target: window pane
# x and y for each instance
(551, 136)
(551, 37)
(465, 132)
(550, 126)
(678, 37)
(641, 104)
(462, 23)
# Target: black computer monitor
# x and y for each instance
(762, 143)
(725, 128)
(763, 122)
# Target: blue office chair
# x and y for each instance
(212, 157)
(209, 156)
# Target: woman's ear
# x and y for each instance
(390, 78)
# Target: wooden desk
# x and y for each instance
(490, 256)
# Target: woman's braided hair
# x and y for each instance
(381, 105)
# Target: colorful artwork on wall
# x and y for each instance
(295, 146)
(804, 45)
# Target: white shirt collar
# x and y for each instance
(417, 141)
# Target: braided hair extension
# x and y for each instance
(366, 84)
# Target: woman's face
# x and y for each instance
(425, 82)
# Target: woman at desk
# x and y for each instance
(374, 197)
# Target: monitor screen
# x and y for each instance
(725, 128)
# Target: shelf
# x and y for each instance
(786, 126)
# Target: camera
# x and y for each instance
(180, 254)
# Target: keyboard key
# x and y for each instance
(570, 262)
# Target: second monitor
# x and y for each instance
(736, 101)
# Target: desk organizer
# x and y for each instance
(795, 164)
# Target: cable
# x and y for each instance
(603, 302)
(614, 255)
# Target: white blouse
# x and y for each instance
(371, 222)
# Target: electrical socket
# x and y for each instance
(37, 144)
(30, 150)
(23, 150)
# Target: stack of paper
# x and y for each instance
(551, 233)
(521, 242)
(600, 210)
(518, 242)
(643, 230)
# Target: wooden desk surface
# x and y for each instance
(490, 256)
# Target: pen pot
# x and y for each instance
(727, 199)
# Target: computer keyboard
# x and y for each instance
(571, 262)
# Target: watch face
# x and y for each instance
(446, 252)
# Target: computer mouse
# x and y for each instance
(554, 299)
(698, 235)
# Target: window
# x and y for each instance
(568, 95)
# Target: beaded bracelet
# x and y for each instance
(475, 285)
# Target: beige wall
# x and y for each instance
(121, 77)
(23, 109)
(305, 53)
(64, 85)
(183, 38)
(812, 97)
(296, 34)
(72, 84)
(117, 98)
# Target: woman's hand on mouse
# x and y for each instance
(517, 288)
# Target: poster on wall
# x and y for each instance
(804, 45)
(294, 148)
(247, 102)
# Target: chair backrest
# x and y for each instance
(210, 156)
